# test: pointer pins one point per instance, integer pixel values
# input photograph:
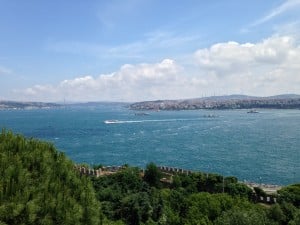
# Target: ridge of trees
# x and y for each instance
(39, 185)
(129, 197)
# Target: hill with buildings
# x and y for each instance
(222, 102)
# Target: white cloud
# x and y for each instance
(232, 57)
(286, 6)
(265, 68)
(290, 28)
(131, 82)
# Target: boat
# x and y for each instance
(252, 111)
(210, 116)
(141, 114)
(111, 121)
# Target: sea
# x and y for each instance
(259, 147)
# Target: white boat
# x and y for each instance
(111, 121)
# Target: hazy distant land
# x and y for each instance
(288, 101)
(27, 105)
(222, 102)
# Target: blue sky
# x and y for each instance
(131, 50)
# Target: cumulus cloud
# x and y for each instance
(129, 83)
(232, 57)
(265, 68)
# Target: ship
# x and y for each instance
(141, 114)
(252, 111)
(111, 121)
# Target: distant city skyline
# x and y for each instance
(136, 50)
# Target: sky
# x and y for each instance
(136, 50)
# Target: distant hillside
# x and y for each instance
(27, 105)
(96, 104)
(222, 102)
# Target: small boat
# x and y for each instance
(111, 121)
(141, 114)
(210, 116)
(252, 111)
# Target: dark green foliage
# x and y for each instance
(152, 175)
(291, 194)
(276, 214)
(296, 218)
(289, 210)
(38, 185)
(196, 198)
(259, 192)
(126, 196)
(136, 208)
(238, 216)
(239, 189)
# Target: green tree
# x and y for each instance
(275, 213)
(259, 192)
(136, 208)
(152, 175)
(39, 185)
(238, 189)
(238, 216)
(296, 219)
(291, 194)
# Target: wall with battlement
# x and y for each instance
(172, 170)
(107, 170)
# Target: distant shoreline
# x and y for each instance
(287, 101)
(222, 103)
(15, 105)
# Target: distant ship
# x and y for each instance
(111, 121)
(210, 116)
(252, 111)
(141, 114)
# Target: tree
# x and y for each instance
(291, 194)
(136, 208)
(259, 192)
(238, 216)
(38, 185)
(152, 175)
(296, 219)
(275, 213)
(238, 189)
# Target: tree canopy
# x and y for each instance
(38, 185)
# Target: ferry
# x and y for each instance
(111, 121)
(210, 116)
(252, 111)
(141, 114)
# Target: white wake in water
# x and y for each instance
(147, 121)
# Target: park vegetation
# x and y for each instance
(39, 185)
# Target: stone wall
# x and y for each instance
(107, 170)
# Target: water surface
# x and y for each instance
(261, 147)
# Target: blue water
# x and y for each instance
(262, 147)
